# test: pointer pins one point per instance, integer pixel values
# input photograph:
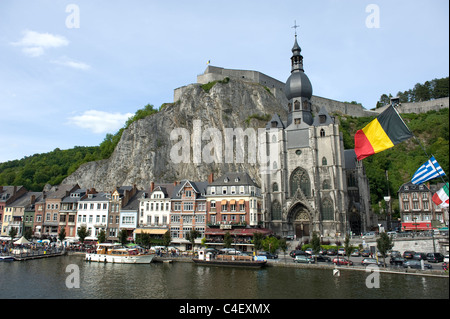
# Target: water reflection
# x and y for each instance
(46, 279)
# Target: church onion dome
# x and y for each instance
(298, 84)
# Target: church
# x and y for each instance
(311, 183)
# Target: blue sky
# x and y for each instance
(72, 71)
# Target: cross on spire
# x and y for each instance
(295, 27)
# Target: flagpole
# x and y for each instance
(418, 141)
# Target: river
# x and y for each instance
(57, 278)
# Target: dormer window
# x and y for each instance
(322, 119)
(274, 124)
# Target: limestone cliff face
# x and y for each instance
(143, 153)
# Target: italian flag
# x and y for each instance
(440, 198)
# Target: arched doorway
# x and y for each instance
(299, 221)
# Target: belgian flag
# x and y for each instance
(387, 130)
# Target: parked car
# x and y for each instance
(435, 257)
(229, 251)
(294, 253)
(371, 261)
(420, 256)
(321, 258)
(268, 255)
(392, 234)
(323, 251)
(365, 253)
(408, 254)
(309, 251)
(342, 261)
(331, 252)
(395, 253)
(446, 259)
(355, 253)
(341, 252)
(397, 260)
(303, 259)
(416, 264)
(369, 235)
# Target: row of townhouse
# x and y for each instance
(417, 210)
(230, 203)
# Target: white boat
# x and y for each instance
(114, 253)
(6, 258)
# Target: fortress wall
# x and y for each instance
(420, 107)
(213, 73)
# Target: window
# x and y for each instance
(177, 206)
(322, 133)
(224, 190)
(213, 204)
(406, 206)
(233, 207)
(188, 206)
(300, 180)
(276, 210)
(327, 209)
(297, 121)
(224, 208)
(241, 190)
(296, 105)
(322, 119)
(233, 189)
(188, 193)
(275, 187)
(213, 190)
(324, 161)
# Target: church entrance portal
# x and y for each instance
(299, 221)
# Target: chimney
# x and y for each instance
(152, 187)
(33, 199)
(211, 178)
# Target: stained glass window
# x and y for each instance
(300, 179)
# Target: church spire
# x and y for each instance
(297, 58)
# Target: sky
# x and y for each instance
(73, 71)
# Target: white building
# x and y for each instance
(93, 213)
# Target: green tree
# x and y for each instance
(270, 244)
(227, 240)
(257, 241)
(192, 236)
(101, 238)
(144, 239)
(12, 233)
(123, 237)
(62, 234)
(384, 244)
(166, 239)
(283, 246)
(82, 233)
(347, 247)
(315, 244)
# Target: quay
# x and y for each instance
(287, 262)
(30, 255)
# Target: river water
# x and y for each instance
(57, 278)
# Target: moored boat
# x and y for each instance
(7, 258)
(114, 253)
(229, 260)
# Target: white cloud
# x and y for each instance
(72, 64)
(34, 43)
(100, 122)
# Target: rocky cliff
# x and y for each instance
(144, 151)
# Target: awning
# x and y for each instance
(224, 202)
(241, 202)
(416, 226)
(232, 202)
(151, 231)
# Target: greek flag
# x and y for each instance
(427, 171)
